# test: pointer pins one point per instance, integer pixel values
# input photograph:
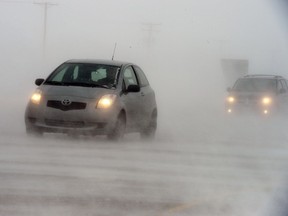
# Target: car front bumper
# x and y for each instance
(88, 121)
(249, 108)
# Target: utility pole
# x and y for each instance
(45, 5)
(150, 28)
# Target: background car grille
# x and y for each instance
(73, 106)
(247, 99)
(62, 123)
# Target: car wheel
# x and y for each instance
(31, 131)
(118, 131)
(148, 133)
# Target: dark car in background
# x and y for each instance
(263, 94)
(93, 97)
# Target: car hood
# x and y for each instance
(75, 91)
(251, 94)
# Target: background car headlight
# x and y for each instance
(106, 101)
(36, 97)
(231, 99)
(266, 100)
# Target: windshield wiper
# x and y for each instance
(92, 85)
(55, 83)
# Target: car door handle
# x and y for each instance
(142, 94)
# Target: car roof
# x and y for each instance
(98, 61)
(263, 76)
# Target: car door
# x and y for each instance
(132, 100)
(284, 95)
(147, 96)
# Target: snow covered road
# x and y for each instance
(215, 175)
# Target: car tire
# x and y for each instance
(32, 131)
(118, 131)
(148, 133)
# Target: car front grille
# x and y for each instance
(247, 99)
(73, 124)
(62, 123)
(73, 106)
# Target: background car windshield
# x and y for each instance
(85, 73)
(255, 85)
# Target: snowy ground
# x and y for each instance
(222, 167)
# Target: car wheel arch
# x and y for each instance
(122, 113)
(154, 113)
(118, 130)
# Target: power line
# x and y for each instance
(46, 6)
(15, 1)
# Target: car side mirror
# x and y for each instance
(38, 82)
(133, 88)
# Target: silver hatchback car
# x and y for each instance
(93, 97)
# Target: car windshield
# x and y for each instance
(83, 74)
(255, 85)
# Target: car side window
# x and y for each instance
(59, 76)
(67, 74)
(279, 86)
(284, 85)
(130, 77)
(142, 78)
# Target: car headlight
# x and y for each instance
(106, 101)
(36, 97)
(266, 100)
(231, 99)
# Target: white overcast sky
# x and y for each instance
(189, 31)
